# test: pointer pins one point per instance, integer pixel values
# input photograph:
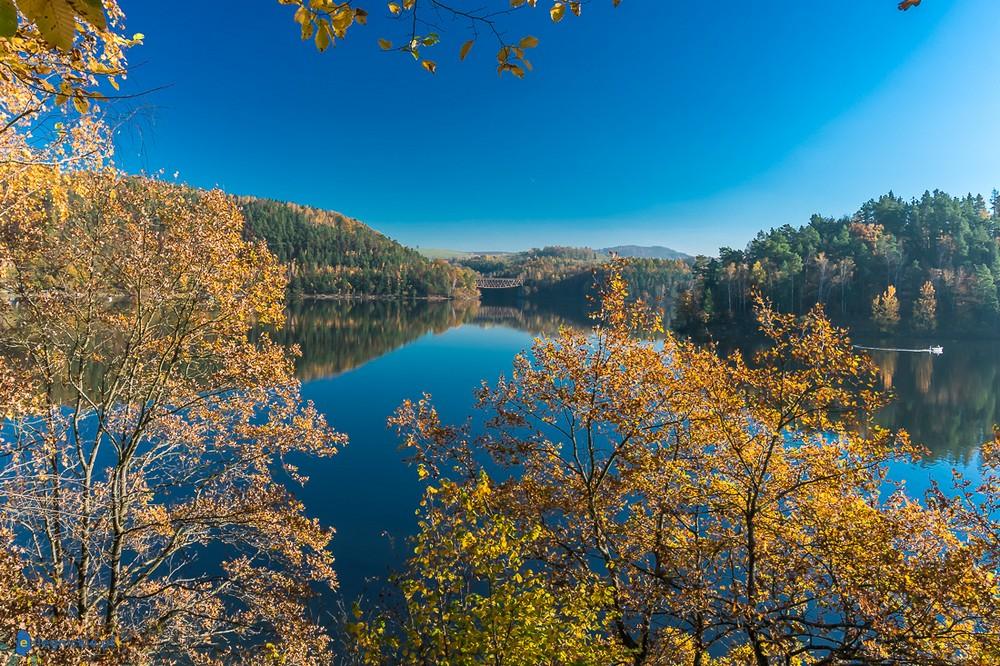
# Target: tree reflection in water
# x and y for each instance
(948, 403)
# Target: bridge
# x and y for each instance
(498, 283)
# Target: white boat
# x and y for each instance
(937, 349)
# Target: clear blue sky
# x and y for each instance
(684, 123)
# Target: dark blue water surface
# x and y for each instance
(361, 360)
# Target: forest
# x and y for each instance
(930, 262)
(330, 254)
(900, 265)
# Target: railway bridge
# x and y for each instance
(498, 283)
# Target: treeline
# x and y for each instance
(923, 264)
(567, 272)
(330, 254)
(542, 269)
(919, 265)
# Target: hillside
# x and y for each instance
(331, 254)
(646, 252)
(567, 272)
(909, 265)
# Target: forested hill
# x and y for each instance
(329, 253)
(920, 264)
(907, 266)
(646, 252)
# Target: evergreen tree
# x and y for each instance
(984, 292)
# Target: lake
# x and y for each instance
(360, 360)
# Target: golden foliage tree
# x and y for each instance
(141, 466)
(925, 309)
(472, 595)
(885, 310)
(724, 506)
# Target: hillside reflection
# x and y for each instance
(947, 403)
(339, 335)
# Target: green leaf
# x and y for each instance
(8, 18)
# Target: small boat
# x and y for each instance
(936, 349)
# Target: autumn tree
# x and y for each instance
(145, 470)
(885, 310)
(726, 506)
(472, 594)
(55, 54)
(925, 309)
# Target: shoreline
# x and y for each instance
(378, 297)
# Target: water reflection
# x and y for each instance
(340, 335)
(399, 350)
(948, 403)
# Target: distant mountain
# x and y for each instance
(646, 252)
(331, 254)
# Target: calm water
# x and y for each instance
(360, 360)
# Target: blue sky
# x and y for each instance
(684, 123)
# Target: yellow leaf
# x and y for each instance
(575, 8)
(322, 38)
(385, 44)
(81, 104)
(528, 42)
(341, 21)
(557, 12)
(54, 19)
(395, 8)
(429, 65)
(466, 47)
(91, 11)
